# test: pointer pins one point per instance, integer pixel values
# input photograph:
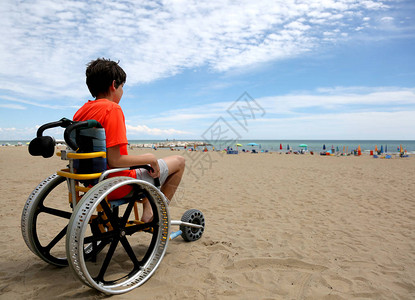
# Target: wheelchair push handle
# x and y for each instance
(64, 122)
(45, 145)
(78, 125)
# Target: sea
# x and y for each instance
(390, 146)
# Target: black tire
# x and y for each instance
(45, 219)
(194, 216)
(47, 205)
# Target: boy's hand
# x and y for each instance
(156, 168)
(151, 159)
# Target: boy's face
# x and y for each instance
(118, 93)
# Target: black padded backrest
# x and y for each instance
(90, 140)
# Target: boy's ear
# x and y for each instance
(112, 87)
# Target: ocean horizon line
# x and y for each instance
(278, 145)
(163, 140)
(273, 144)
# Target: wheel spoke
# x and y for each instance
(139, 227)
(129, 251)
(127, 213)
(112, 216)
(107, 260)
(99, 237)
(57, 238)
(56, 212)
(153, 242)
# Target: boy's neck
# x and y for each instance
(107, 97)
(110, 95)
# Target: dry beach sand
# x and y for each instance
(277, 227)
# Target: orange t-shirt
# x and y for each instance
(111, 117)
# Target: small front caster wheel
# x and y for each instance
(190, 234)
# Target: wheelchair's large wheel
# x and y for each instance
(132, 250)
(45, 218)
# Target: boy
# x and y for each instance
(105, 80)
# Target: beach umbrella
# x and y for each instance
(303, 145)
(288, 146)
(386, 148)
(376, 148)
(252, 144)
(337, 149)
(381, 148)
(238, 145)
(324, 146)
(359, 150)
(280, 146)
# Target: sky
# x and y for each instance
(216, 70)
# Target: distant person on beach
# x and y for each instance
(105, 80)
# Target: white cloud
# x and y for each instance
(340, 112)
(387, 19)
(353, 125)
(153, 131)
(374, 5)
(28, 133)
(13, 106)
(331, 101)
(31, 103)
(327, 113)
(46, 44)
(340, 99)
(12, 129)
(13, 133)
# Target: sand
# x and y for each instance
(277, 227)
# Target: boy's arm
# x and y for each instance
(116, 160)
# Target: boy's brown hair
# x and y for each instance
(100, 74)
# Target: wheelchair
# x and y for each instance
(70, 219)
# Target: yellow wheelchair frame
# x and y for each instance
(103, 241)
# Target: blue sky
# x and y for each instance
(307, 69)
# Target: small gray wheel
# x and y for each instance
(190, 234)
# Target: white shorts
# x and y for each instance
(143, 174)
